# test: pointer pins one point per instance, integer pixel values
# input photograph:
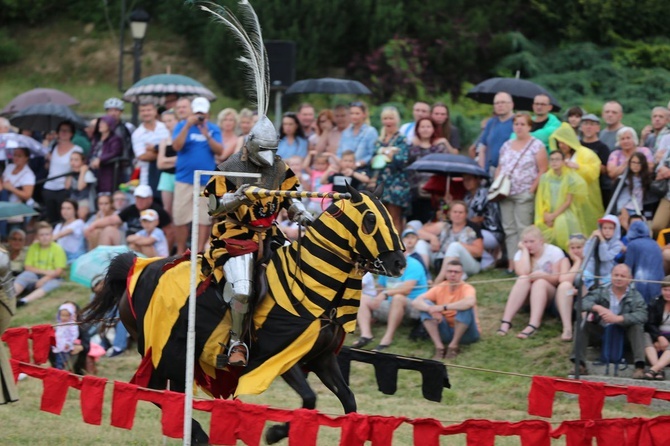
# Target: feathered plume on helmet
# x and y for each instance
(261, 144)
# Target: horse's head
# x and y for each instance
(365, 225)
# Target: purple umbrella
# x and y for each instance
(38, 96)
(11, 141)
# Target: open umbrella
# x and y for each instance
(38, 96)
(14, 209)
(156, 87)
(523, 92)
(46, 117)
(448, 165)
(328, 85)
(11, 141)
(94, 263)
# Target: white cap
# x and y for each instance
(143, 191)
(200, 105)
(149, 215)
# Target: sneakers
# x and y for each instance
(113, 352)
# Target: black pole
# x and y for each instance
(122, 32)
(137, 73)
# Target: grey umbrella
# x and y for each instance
(156, 87)
(328, 85)
(38, 96)
(448, 165)
(45, 117)
(11, 141)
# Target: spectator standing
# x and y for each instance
(449, 313)
(645, 260)
(635, 190)
(69, 234)
(426, 141)
(612, 115)
(145, 142)
(538, 265)
(657, 333)
(45, 263)
(182, 108)
(341, 119)
(440, 115)
(485, 214)
(245, 122)
(393, 176)
(325, 123)
(107, 146)
(124, 130)
(166, 162)
(420, 110)
(80, 184)
(574, 117)
(105, 209)
(590, 128)
(544, 123)
(653, 134)
(306, 114)
(627, 140)
(54, 191)
(525, 160)
(359, 136)
(497, 131)
(196, 141)
(619, 304)
(292, 141)
(227, 121)
(19, 181)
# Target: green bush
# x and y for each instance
(10, 51)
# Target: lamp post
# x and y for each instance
(139, 19)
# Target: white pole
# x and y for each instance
(190, 337)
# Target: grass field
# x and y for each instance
(474, 394)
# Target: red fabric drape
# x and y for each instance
(17, 341)
(91, 398)
(43, 337)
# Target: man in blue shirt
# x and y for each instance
(497, 131)
(196, 141)
(393, 300)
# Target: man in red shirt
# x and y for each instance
(449, 313)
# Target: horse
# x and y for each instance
(298, 325)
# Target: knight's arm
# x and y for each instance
(228, 202)
(298, 213)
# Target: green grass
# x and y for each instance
(474, 394)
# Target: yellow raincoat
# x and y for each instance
(591, 208)
(552, 192)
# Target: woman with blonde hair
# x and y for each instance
(227, 121)
(538, 265)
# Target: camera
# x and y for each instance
(201, 118)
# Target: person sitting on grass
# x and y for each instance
(44, 266)
(657, 333)
(565, 292)
(69, 233)
(449, 313)
(538, 265)
(151, 240)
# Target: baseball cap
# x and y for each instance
(200, 105)
(591, 117)
(149, 215)
(143, 191)
(409, 231)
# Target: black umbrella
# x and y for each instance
(38, 96)
(448, 165)
(523, 92)
(328, 85)
(45, 117)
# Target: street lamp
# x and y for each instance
(139, 19)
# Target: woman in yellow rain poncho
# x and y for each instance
(558, 202)
(586, 163)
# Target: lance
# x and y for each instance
(259, 192)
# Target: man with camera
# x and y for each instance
(196, 141)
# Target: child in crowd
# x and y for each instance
(357, 178)
(295, 163)
(79, 183)
(151, 240)
(70, 233)
(66, 335)
(317, 166)
(44, 266)
(608, 247)
(410, 238)
(637, 182)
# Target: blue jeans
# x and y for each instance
(466, 317)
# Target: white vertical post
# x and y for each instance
(190, 336)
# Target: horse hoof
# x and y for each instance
(276, 433)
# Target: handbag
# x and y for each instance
(660, 187)
(502, 185)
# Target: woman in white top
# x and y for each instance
(54, 191)
(19, 180)
(539, 266)
(70, 233)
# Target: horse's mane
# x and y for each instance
(114, 285)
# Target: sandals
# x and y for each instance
(502, 332)
(381, 347)
(527, 334)
(361, 342)
(452, 353)
(439, 354)
(654, 375)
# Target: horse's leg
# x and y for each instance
(325, 366)
(198, 434)
(297, 380)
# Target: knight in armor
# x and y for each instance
(237, 240)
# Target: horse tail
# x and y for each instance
(114, 286)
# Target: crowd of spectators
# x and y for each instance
(115, 184)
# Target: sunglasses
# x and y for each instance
(577, 237)
(356, 104)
